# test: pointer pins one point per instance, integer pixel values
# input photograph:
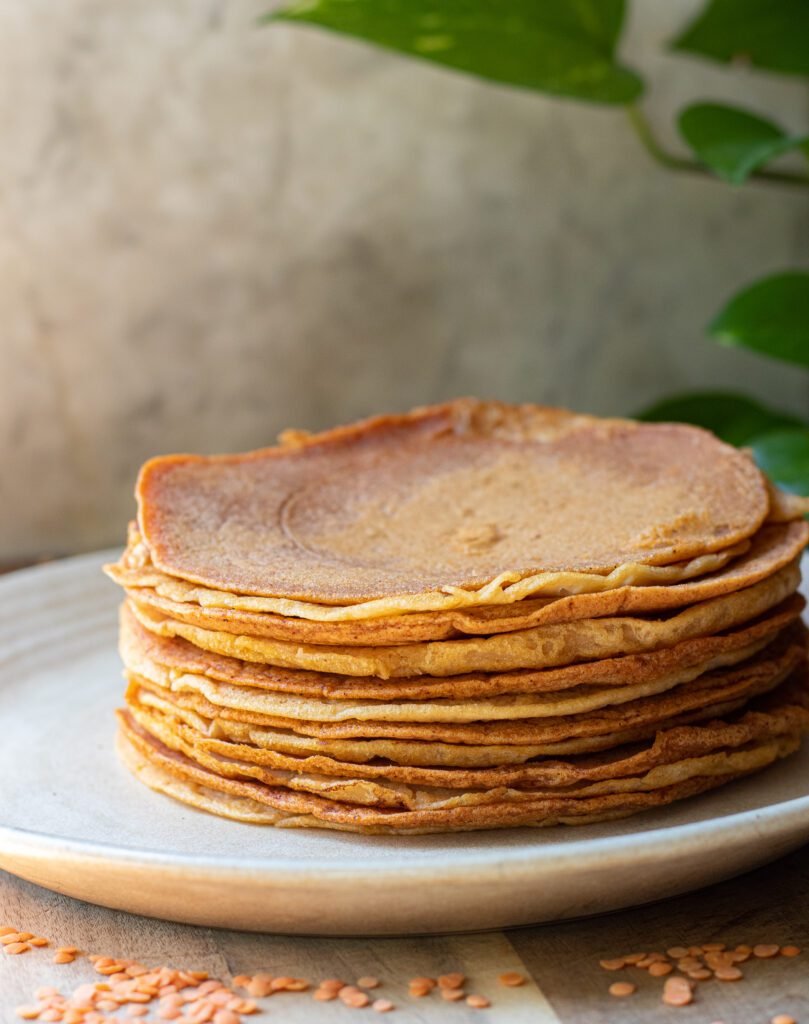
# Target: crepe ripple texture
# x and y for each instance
(470, 616)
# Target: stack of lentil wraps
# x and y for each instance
(470, 616)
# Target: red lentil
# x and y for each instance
(478, 1002)
(420, 987)
(511, 979)
(612, 965)
(677, 992)
(677, 952)
(352, 996)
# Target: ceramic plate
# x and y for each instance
(73, 819)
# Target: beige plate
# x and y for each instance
(73, 819)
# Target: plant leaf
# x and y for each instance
(771, 34)
(784, 457)
(735, 418)
(565, 47)
(770, 316)
(733, 142)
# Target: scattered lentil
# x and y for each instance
(187, 997)
(259, 985)
(677, 991)
(478, 1002)
(191, 997)
(420, 987)
(511, 979)
(226, 1017)
(332, 984)
(728, 974)
(290, 985)
(677, 952)
(352, 996)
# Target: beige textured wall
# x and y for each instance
(209, 231)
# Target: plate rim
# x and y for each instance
(644, 845)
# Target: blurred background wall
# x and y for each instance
(211, 230)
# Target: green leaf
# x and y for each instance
(772, 34)
(734, 418)
(565, 47)
(770, 316)
(733, 142)
(784, 457)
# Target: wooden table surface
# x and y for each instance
(566, 985)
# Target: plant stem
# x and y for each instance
(644, 132)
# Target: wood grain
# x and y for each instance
(481, 957)
(566, 985)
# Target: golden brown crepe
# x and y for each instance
(468, 616)
(166, 658)
(756, 675)
(537, 647)
(450, 496)
(774, 730)
(577, 699)
(679, 740)
(772, 548)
